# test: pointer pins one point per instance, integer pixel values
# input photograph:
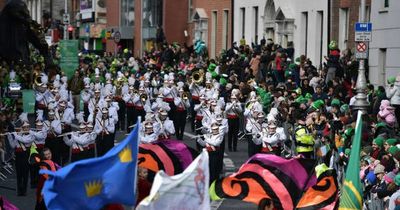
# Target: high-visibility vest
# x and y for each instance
(304, 140)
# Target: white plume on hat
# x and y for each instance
(166, 77)
(131, 81)
(221, 102)
(97, 71)
(51, 106)
(97, 86)
(208, 76)
(86, 80)
(12, 75)
(149, 116)
(23, 117)
(147, 76)
(180, 84)
(44, 78)
(253, 94)
(79, 117)
(39, 115)
(90, 118)
(108, 76)
(271, 117)
(141, 83)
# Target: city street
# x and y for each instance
(232, 161)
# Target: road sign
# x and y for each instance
(361, 47)
(66, 19)
(362, 50)
(363, 32)
(363, 27)
(117, 37)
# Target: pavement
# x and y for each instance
(232, 162)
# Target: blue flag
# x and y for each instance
(93, 183)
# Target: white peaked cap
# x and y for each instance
(90, 118)
(253, 94)
(97, 86)
(217, 110)
(235, 92)
(216, 85)
(39, 115)
(44, 78)
(180, 84)
(79, 117)
(208, 76)
(108, 76)
(24, 117)
(119, 74)
(273, 111)
(131, 81)
(166, 77)
(64, 96)
(86, 80)
(171, 75)
(141, 84)
(270, 118)
(149, 116)
(147, 76)
(12, 75)
(51, 106)
(257, 107)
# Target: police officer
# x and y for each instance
(304, 139)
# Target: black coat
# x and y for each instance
(16, 30)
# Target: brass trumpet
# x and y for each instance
(143, 97)
(185, 95)
(37, 80)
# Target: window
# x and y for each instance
(242, 21)
(305, 31)
(255, 13)
(386, 3)
(127, 12)
(190, 10)
(320, 16)
(225, 29)
(214, 33)
(343, 27)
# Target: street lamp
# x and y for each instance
(361, 103)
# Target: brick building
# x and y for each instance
(138, 21)
(344, 15)
(210, 21)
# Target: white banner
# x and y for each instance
(185, 191)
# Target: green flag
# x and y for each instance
(351, 197)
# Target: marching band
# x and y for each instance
(164, 105)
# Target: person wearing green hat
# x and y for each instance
(394, 197)
(393, 150)
(377, 148)
(389, 143)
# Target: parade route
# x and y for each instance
(232, 161)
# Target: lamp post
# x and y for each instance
(361, 103)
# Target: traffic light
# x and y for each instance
(70, 32)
